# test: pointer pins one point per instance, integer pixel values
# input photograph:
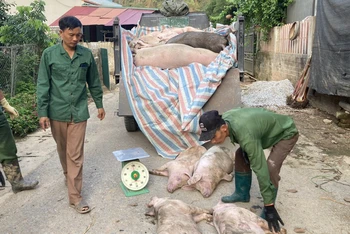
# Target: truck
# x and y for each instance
(226, 96)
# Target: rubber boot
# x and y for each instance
(243, 182)
(262, 215)
(2, 180)
(13, 174)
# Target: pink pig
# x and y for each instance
(229, 218)
(175, 216)
(215, 165)
(180, 169)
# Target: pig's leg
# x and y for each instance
(203, 216)
(150, 213)
(200, 214)
(227, 177)
(264, 226)
(161, 171)
(194, 210)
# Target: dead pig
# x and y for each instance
(180, 169)
(175, 216)
(229, 218)
(166, 56)
(205, 40)
(215, 165)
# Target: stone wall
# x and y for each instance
(277, 66)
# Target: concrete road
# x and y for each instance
(46, 210)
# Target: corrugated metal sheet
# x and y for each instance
(106, 3)
(104, 16)
(130, 16)
(77, 11)
(114, 12)
(100, 12)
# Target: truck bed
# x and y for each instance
(167, 103)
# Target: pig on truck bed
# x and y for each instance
(164, 88)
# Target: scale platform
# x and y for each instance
(134, 174)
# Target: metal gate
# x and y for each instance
(249, 52)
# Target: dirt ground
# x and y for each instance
(320, 166)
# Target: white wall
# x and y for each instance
(53, 8)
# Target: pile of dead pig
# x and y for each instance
(199, 169)
(270, 94)
(160, 48)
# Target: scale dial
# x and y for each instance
(134, 175)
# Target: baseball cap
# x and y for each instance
(208, 123)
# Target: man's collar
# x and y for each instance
(78, 49)
(231, 132)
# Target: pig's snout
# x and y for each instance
(206, 192)
(175, 183)
(171, 188)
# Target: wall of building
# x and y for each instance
(53, 8)
(300, 9)
(280, 57)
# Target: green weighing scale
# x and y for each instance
(134, 175)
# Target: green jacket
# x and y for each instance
(256, 129)
(61, 86)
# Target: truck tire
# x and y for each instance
(130, 124)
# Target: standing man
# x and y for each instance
(64, 71)
(8, 150)
(254, 129)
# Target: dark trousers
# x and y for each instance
(275, 160)
(8, 149)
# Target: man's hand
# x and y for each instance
(272, 218)
(9, 109)
(44, 123)
(101, 113)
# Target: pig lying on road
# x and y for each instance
(229, 218)
(180, 169)
(215, 165)
(175, 216)
(205, 40)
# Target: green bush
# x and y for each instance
(25, 104)
(27, 64)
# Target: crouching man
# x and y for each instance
(254, 129)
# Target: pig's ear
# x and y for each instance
(227, 151)
(194, 179)
(189, 171)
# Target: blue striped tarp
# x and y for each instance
(167, 103)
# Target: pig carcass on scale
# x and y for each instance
(180, 169)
